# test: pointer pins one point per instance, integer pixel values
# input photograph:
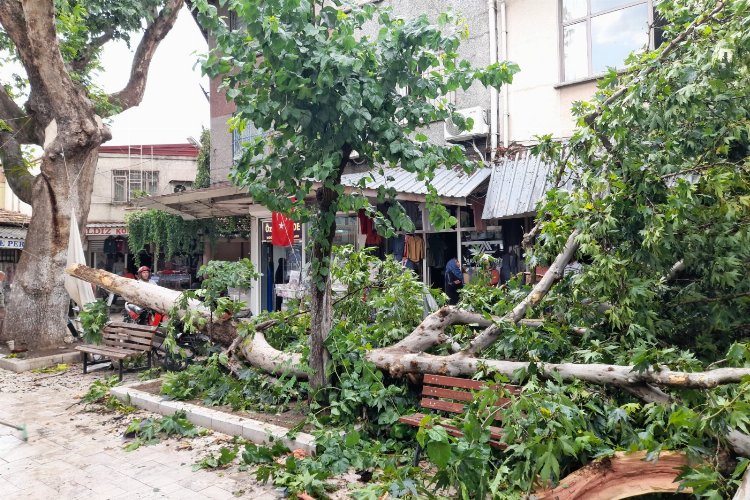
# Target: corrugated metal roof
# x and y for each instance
(152, 150)
(16, 233)
(516, 185)
(447, 182)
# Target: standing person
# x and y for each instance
(454, 280)
(278, 279)
(144, 274)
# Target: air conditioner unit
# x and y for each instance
(479, 128)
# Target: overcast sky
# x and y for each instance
(173, 106)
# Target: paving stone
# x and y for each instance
(73, 453)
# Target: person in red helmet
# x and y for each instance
(144, 274)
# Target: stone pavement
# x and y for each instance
(74, 453)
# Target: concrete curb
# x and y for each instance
(24, 365)
(252, 430)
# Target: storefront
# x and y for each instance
(107, 248)
(470, 198)
(12, 241)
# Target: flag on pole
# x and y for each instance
(282, 232)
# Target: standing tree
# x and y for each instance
(58, 43)
(307, 75)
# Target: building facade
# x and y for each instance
(123, 174)
(561, 46)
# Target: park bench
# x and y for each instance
(449, 394)
(121, 341)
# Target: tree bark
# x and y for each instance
(61, 117)
(321, 307)
(398, 362)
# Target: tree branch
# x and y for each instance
(20, 180)
(84, 58)
(398, 362)
(656, 63)
(132, 94)
(553, 274)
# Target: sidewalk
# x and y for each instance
(72, 453)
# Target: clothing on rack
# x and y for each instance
(120, 245)
(110, 245)
(396, 246)
(508, 267)
(437, 248)
(414, 248)
(477, 207)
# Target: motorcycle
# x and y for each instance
(187, 346)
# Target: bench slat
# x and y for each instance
(126, 338)
(439, 392)
(129, 331)
(495, 432)
(137, 348)
(106, 352)
(454, 382)
(132, 326)
(436, 404)
(463, 383)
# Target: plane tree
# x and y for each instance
(52, 105)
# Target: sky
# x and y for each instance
(174, 106)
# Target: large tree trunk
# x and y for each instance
(60, 117)
(36, 312)
(321, 307)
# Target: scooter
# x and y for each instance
(188, 346)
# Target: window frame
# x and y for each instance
(134, 180)
(590, 74)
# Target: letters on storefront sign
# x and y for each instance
(6, 243)
(268, 229)
(106, 231)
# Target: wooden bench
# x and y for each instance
(449, 394)
(121, 341)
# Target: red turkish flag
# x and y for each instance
(282, 231)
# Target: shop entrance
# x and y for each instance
(276, 263)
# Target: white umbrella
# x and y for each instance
(79, 290)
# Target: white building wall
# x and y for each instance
(170, 168)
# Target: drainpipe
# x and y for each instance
(506, 90)
(492, 27)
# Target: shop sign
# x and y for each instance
(10, 243)
(268, 230)
(106, 231)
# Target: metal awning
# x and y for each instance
(224, 199)
(516, 186)
(12, 232)
(220, 200)
(448, 183)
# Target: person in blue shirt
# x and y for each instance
(454, 280)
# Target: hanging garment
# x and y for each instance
(414, 248)
(397, 247)
(479, 223)
(120, 244)
(110, 245)
(508, 267)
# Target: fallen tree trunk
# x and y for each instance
(255, 349)
(397, 363)
(621, 476)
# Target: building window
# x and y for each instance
(598, 34)
(249, 133)
(129, 184)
